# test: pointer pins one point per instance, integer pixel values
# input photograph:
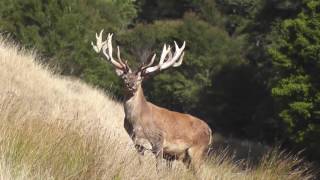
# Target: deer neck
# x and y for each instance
(134, 104)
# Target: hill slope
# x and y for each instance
(52, 127)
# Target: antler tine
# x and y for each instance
(109, 45)
(178, 53)
(144, 66)
(176, 64)
(103, 46)
(100, 43)
(124, 64)
(152, 60)
(164, 53)
(174, 60)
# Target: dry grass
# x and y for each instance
(53, 127)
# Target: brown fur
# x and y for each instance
(169, 133)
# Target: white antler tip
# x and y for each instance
(184, 44)
(95, 48)
(176, 45)
(100, 35)
(179, 62)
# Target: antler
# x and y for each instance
(166, 59)
(103, 46)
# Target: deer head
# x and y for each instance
(133, 79)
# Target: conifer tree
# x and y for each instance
(296, 58)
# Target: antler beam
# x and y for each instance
(166, 59)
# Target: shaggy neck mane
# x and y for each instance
(134, 103)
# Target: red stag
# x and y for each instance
(169, 133)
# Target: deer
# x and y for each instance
(170, 134)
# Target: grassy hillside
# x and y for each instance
(53, 127)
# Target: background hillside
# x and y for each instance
(53, 127)
(251, 67)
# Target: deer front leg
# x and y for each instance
(157, 150)
(140, 149)
(156, 140)
(133, 135)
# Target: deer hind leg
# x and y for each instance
(197, 154)
(169, 159)
(186, 159)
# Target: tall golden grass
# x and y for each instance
(53, 127)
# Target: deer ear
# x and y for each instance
(119, 72)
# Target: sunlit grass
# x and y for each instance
(57, 128)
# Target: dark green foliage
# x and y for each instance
(296, 56)
(240, 104)
(151, 10)
(208, 50)
(233, 15)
